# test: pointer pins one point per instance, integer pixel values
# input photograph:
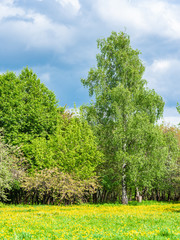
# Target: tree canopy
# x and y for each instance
(27, 107)
(125, 110)
(72, 148)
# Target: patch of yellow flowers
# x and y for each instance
(90, 222)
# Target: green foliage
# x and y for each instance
(27, 108)
(72, 148)
(48, 136)
(2, 204)
(7, 169)
(178, 107)
(76, 148)
(170, 180)
(123, 114)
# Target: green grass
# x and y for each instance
(148, 220)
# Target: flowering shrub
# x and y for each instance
(51, 186)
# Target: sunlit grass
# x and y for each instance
(108, 221)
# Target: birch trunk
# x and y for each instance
(138, 196)
(124, 186)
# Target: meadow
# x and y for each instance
(108, 221)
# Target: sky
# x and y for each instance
(58, 40)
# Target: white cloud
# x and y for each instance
(162, 76)
(32, 29)
(7, 2)
(8, 10)
(71, 5)
(45, 77)
(141, 16)
(170, 121)
(161, 65)
(119, 12)
(171, 116)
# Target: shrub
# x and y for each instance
(51, 186)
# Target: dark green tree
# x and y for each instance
(28, 109)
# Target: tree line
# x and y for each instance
(110, 150)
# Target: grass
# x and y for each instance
(108, 221)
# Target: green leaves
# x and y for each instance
(27, 108)
(124, 111)
(72, 148)
(48, 136)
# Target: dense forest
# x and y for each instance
(111, 150)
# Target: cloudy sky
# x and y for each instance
(57, 39)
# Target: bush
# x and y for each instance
(6, 165)
(51, 186)
(11, 168)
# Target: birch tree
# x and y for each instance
(124, 111)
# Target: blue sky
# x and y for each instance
(57, 39)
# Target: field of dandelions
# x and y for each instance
(155, 221)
